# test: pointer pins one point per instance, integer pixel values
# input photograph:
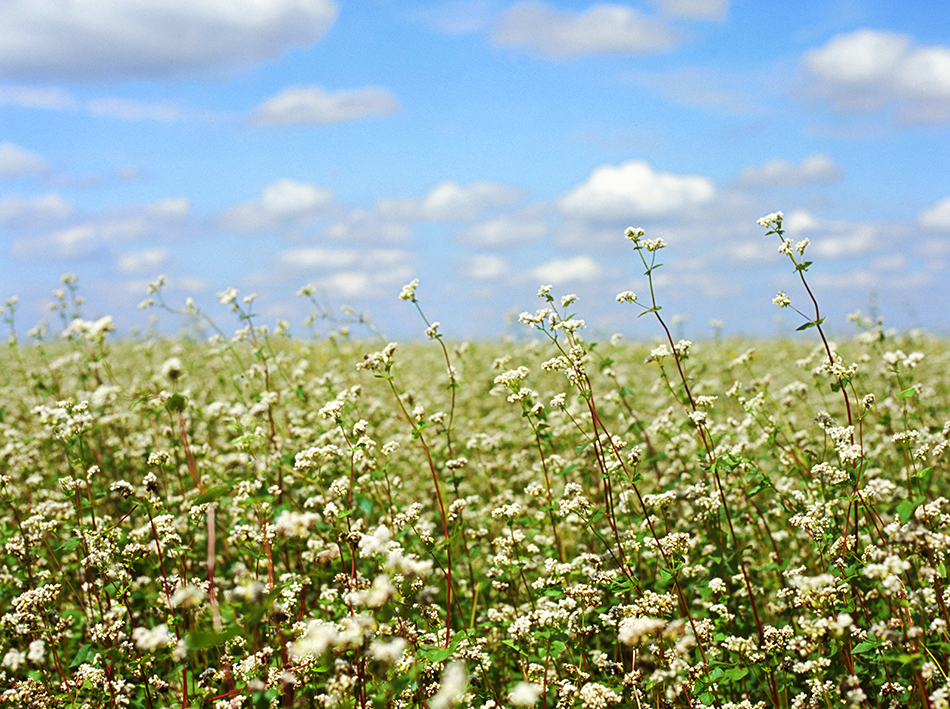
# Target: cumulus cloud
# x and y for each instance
(57, 99)
(450, 202)
(600, 29)
(487, 266)
(317, 257)
(832, 238)
(506, 230)
(365, 225)
(146, 261)
(695, 9)
(16, 161)
(814, 169)
(634, 189)
(868, 70)
(25, 212)
(128, 39)
(936, 216)
(566, 270)
(355, 273)
(284, 204)
(457, 16)
(314, 105)
(163, 219)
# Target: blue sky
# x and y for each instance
(485, 147)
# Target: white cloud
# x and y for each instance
(57, 99)
(311, 257)
(506, 230)
(314, 105)
(130, 110)
(458, 16)
(844, 240)
(165, 219)
(37, 97)
(799, 222)
(368, 225)
(863, 279)
(695, 9)
(16, 161)
(147, 261)
(814, 169)
(284, 204)
(487, 266)
(450, 202)
(32, 211)
(565, 270)
(635, 189)
(936, 216)
(867, 70)
(600, 29)
(123, 39)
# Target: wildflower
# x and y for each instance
(597, 696)
(13, 659)
(544, 291)
(567, 300)
(37, 652)
(409, 290)
(633, 631)
(800, 246)
(770, 220)
(151, 638)
(226, 297)
(634, 234)
(654, 244)
(781, 299)
(387, 652)
(626, 297)
(453, 686)
(172, 368)
(319, 637)
(525, 694)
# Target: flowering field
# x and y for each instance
(261, 521)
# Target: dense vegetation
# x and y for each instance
(257, 520)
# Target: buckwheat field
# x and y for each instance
(252, 519)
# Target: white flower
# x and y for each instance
(525, 694)
(409, 290)
(634, 234)
(633, 630)
(774, 219)
(13, 659)
(453, 686)
(37, 651)
(781, 299)
(151, 638)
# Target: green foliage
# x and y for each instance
(274, 522)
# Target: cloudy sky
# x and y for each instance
(486, 147)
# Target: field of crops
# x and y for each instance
(263, 521)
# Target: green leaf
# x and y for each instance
(212, 494)
(436, 653)
(905, 510)
(82, 655)
(805, 326)
(201, 639)
(923, 473)
(907, 393)
(865, 646)
(175, 403)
